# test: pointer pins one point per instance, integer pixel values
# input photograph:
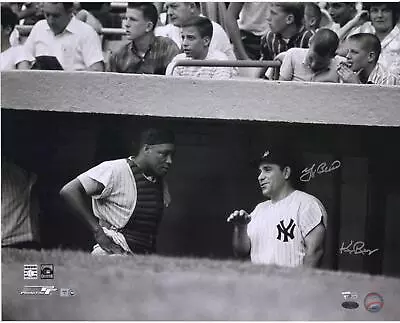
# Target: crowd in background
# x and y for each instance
(341, 42)
(337, 42)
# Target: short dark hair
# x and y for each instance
(350, 4)
(393, 6)
(294, 8)
(67, 5)
(325, 42)
(148, 9)
(316, 11)
(369, 42)
(203, 25)
(8, 17)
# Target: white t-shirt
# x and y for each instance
(277, 230)
(76, 48)
(10, 58)
(219, 40)
(253, 18)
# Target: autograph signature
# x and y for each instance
(357, 248)
(309, 173)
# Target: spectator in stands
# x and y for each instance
(196, 39)
(287, 31)
(28, 13)
(145, 53)
(31, 13)
(385, 20)
(75, 44)
(316, 64)
(348, 20)
(19, 207)
(246, 23)
(362, 65)
(89, 18)
(181, 12)
(128, 197)
(10, 55)
(312, 16)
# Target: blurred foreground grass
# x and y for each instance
(167, 288)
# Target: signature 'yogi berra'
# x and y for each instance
(289, 228)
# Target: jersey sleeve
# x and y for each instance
(312, 213)
(103, 174)
(253, 214)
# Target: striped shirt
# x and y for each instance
(277, 231)
(273, 44)
(19, 208)
(208, 72)
(381, 76)
(155, 61)
(390, 54)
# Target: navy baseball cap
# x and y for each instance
(155, 136)
(281, 157)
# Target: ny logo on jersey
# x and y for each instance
(286, 231)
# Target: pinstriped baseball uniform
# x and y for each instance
(19, 210)
(117, 201)
(130, 205)
(277, 230)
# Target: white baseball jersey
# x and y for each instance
(277, 230)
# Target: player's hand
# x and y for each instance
(107, 243)
(239, 217)
(347, 75)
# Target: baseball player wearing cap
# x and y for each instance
(128, 197)
(288, 229)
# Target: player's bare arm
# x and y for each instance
(75, 196)
(240, 241)
(314, 242)
(232, 14)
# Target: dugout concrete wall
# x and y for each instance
(59, 124)
(228, 100)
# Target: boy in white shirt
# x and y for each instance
(196, 37)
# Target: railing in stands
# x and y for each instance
(24, 30)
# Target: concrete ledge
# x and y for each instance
(148, 95)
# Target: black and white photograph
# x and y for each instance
(200, 161)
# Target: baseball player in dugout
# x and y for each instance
(128, 197)
(288, 228)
